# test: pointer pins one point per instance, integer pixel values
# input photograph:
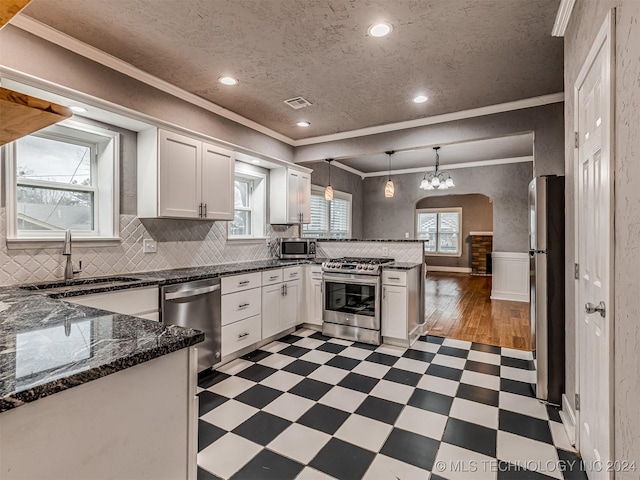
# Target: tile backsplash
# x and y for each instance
(181, 243)
(412, 252)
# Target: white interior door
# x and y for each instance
(594, 241)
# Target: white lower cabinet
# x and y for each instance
(280, 307)
(394, 312)
(241, 334)
(314, 295)
(241, 312)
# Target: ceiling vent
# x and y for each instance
(297, 103)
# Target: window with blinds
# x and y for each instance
(441, 230)
(329, 219)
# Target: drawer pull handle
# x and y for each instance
(244, 282)
(394, 278)
(243, 305)
(273, 278)
(242, 335)
(293, 274)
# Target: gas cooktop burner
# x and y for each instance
(367, 266)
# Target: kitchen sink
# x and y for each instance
(78, 283)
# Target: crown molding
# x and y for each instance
(562, 17)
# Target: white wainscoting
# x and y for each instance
(510, 276)
(437, 268)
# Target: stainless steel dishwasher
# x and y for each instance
(196, 305)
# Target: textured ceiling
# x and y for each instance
(468, 152)
(461, 53)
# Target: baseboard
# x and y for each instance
(511, 297)
(568, 419)
(437, 268)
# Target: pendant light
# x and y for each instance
(437, 180)
(389, 188)
(328, 192)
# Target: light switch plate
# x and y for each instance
(149, 245)
(385, 251)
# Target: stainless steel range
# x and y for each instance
(351, 288)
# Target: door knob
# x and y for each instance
(600, 308)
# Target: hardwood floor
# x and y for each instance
(459, 306)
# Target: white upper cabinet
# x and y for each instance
(182, 177)
(290, 196)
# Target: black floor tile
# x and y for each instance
(207, 434)
(324, 418)
(403, 376)
(382, 358)
(344, 363)
(343, 460)
(311, 389)
(515, 363)
(434, 339)
(478, 394)
(554, 413)
(209, 401)
(482, 367)
(331, 347)
(510, 471)
(294, 350)
(471, 436)
(445, 372)
(574, 467)
(290, 339)
(204, 475)
(256, 373)
(519, 388)
(358, 382)
(453, 352)
(320, 336)
(411, 448)
(364, 346)
(419, 355)
(256, 355)
(380, 409)
(211, 378)
(268, 465)
(481, 347)
(301, 367)
(525, 426)
(261, 428)
(259, 396)
(432, 401)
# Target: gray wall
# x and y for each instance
(506, 185)
(586, 20)
(477, 216)
(343, 181)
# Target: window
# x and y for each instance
(250, 204)
(329, 219)
(64, 177)
(441, 230)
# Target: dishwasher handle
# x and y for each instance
(191, 293)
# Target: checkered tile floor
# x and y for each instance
(311, 407)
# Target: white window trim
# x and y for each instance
(106, 201)
(457, 210)
(258, 219)
(319, 190)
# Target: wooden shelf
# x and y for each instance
(22, 114)
(9, 9)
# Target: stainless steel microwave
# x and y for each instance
(294, 248)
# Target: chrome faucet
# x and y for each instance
(69, 272)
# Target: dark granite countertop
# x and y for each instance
(401, 266)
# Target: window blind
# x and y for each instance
(319, 225)
(340, 218)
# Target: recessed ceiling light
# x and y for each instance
(380, 29)
(256, 161)
(420, 99)
(303, 124)
(76, 109)
(228, 81)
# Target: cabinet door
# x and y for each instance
(315, 302)
(271, 298)
(218, 173)
(180, 166)
(394, 312)
(304, 197)
(293, 205)
(290, 306)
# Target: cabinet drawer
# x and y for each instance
(240, 305)
(128, 302)
(291, 273)
(237, 283)
(315, 271)
(394, 277)
(271, 277)
(241, 334)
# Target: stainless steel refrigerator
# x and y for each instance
(547, 252)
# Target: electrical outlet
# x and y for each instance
(406, 234)
(385, 251)
(149, 245)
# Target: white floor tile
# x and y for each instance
(391, 350)
(309, 473)
(392, 391)
(341, 341)
(299, 443)
(327, 374)
(411, 365)
(371, 369)
(289, 406)
(355, 352)
(231, 387)
(304, 332)
(343, 398)
(425, 347)
(310, 343)
(455, 463)
(513, 353)
(449, 361)
(519, 374)
(235, 366)
(227, 455)
(277, 360)
(230, 414)
(282, 381)
(492, 358)
(274, 347)
(524, 405)
(317, 356)
(198, 390)
(475, 412)
(451, 342)
(560, 437)
(530, 454)
(422, 422)
(387, 468)
(438, 385)
(364, 432)
(481, 380)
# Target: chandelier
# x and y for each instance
(437, 180)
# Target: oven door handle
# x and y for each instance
(372, 280)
